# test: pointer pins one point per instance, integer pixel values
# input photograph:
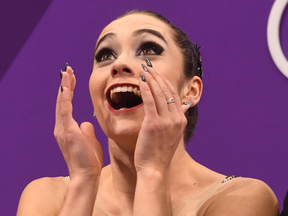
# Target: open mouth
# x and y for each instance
(124, 96)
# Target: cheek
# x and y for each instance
(174, 76)
(96, 87)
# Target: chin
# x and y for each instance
(124, 131)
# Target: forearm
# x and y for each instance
(152, 195)
(80, 198)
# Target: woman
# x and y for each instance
(146, 77)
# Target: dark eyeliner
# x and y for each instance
(152, 45)
(103, 51)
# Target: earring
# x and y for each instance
(188, 104)
(94, 115)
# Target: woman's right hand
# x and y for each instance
(83, 155)
(81, 150)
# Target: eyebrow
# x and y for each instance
(149, 31)
(109, 35)
(136, 33)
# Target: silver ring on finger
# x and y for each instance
(170, 100)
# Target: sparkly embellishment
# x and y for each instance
(188, 104)
(228, 178)
(170, 100)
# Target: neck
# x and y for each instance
(124, 175)
(119, 179)
(123, 171)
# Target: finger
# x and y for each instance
(157, 93)
(167, 91)
(184, 108)
(89, 132)
(73, 83)
(58, 121)
(147, 97)
(70, 71)
(174, 93)
(65, 101)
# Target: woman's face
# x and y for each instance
(114, 83)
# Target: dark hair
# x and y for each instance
(192, 64)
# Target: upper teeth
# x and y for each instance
(124, 89)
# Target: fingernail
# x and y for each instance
(61, 75)
(148, 62)
(143, 78)
(66, 66)
(144, 68)
(61, 88)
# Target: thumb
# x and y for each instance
(89, 132)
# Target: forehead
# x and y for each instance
(132, 22)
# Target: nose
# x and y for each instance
(121, 66)
(125, 69)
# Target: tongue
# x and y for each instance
(125, 100)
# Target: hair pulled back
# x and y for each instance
(192, 64)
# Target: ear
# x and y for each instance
(192, 90)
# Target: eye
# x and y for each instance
(106, 57)
(147, 51)
(149, 48)
(105, 54)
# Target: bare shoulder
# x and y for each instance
(42, 196)
(243, 196)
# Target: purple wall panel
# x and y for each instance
(243, 117)
(17, 20)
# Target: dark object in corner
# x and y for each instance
(285, 206)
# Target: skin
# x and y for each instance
(150, 170)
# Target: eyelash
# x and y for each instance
(156, 48)
(99, 56)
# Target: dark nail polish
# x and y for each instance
(143, 78)
(66, 66)
(148, 62)
(61, 74)
(144, 68)
(61, 88)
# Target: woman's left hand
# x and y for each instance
(163, 124)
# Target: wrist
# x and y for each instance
(80, 197)
(153, 192)
(156, 171)
(83, 184)
(153, 177)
